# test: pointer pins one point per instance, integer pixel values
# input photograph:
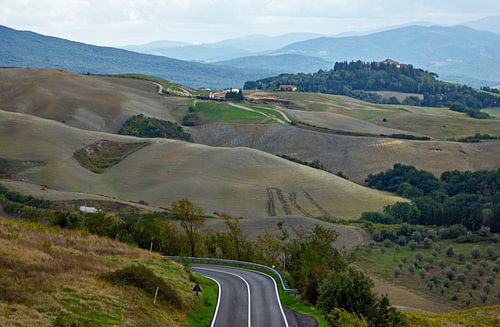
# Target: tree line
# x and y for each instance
(471, 199)
(360, 79)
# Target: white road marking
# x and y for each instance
(218, 300)
(248, 292)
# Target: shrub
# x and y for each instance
(342, 318)
(430, 259)
(441, 291)
(490, 250)
(484, 264)
(382, 250)
(475, 253)
(421, 273)
(480, 271)
(483, 297)
(427, 266)
(454, 297)
(397, 272)
(144, 279)
(461, 278)
(430, 285)
(411, 268)
(449, 251)
(427, 243)
(458, 286)
(387, 243)
(461, 256)
(446, 283)
(401, 240)
(412, 245)
(474, 284)
(397, 247)
(487, 288)
(403, 259)
(468, 266)
(434, 253)
(419, 256)
(450, 274)
(371, 244)
(416, 236)
(490, 280)
(441, 264)
(437, 247)
(457, 230)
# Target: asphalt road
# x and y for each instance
(246, 298)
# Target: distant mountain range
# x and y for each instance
(457, 54)
(223, 50)
(28, 49)
(489, 24)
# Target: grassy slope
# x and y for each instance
(477, 317)
(495, 112)
(48, 274)
(210, 112)
(439, 123)
(168, 86)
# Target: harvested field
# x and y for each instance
(90, 102)
(356, 157)
(234, 181)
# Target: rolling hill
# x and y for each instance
(457, 54)
(28, 49)
(240, 181)
(490, 24)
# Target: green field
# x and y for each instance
(384, 264)
(220, 112)
(438, 123)
(495, 112)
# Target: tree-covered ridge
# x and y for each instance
(468, 198)
(357, 78)
(142, 126)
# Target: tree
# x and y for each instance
(236, 236)
(191, 220)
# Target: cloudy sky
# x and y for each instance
(120, 22)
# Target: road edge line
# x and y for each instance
(248, 291)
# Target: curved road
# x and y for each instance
(246, 298)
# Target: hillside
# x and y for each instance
(89, 102)
(53, 277)
(28, 49)
(240, 181)
(362, 80)
(457, 54)
(277, 64)
(490, 24)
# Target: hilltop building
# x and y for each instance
(288, 88)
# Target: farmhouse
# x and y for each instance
(218, 96)
(393, 63)
(288, 88)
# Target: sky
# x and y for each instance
(124, 22)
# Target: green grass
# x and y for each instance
(210, 112)
(384, 264)
(494, 112)
(204, 308)
(99, 156)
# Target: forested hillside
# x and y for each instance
(357, 78)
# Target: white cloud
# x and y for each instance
(115, 22)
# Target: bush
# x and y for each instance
(474, 284)
(387, 243)
(382, 250)
(411, 268)
(459, 286)
(446, 283)
(454, 297)
(484, 264)
(483, 297)
(490, 251)
(450, 274)
(461, 278)
(427, 243)
(468, 266)
(490, 280)
(449, 251)
(397, 248)
(441, 264)
(144, 279)
(419, 256)
(475, 253)
(412, 245)
(430, 285)
(421, 273)
(480, 271)
(461, 256)
(403, 259)
(397, 272)
(401, 240)
(487, 288)
(379, 218)
(342, 318)
(416, 236)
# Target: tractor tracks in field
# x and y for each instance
(276, 199)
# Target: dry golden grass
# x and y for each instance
(49, 274)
